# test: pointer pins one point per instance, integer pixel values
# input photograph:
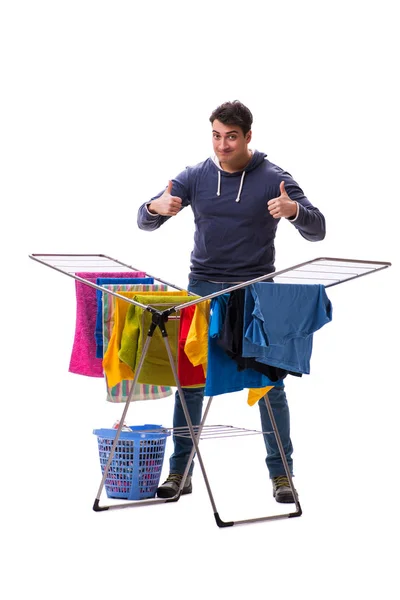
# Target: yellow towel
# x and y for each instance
(255, 394)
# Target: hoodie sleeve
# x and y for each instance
(309, 222)
(180, 188)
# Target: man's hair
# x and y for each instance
(233, 113)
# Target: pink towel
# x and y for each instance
(83, 358)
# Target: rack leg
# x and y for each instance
(193, 451)
(190, 426)
(283, 456)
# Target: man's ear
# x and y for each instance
(248, 137)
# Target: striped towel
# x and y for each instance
(98, 333)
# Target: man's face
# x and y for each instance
(230, 143)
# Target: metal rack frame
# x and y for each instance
(326, 271)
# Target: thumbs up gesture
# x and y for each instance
(166, 205)
(282, 206)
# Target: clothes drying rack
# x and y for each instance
(325, 271)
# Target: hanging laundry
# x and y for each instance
(110, 306)
(98, 333)
(255, 394)
(156, 368)
(133, 319)
(231, 340)
(121, 391)
(143, 391)
(222, 374)
(114, 369)
(196, 345)
(279, 322)
(83, 357)
(187, 373)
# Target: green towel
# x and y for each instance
(156, 368)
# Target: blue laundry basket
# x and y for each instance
(135, 469)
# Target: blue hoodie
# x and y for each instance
(234, 231)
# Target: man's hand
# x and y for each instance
(166, 205)
(282, 206)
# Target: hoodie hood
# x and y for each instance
(255, 161)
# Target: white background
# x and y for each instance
(103, 102)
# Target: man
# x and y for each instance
(237, 198)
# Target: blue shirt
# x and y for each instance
(280, 320)
(223, 376)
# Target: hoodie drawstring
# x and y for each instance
(240, 186)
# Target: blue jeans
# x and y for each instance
(194, 400)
